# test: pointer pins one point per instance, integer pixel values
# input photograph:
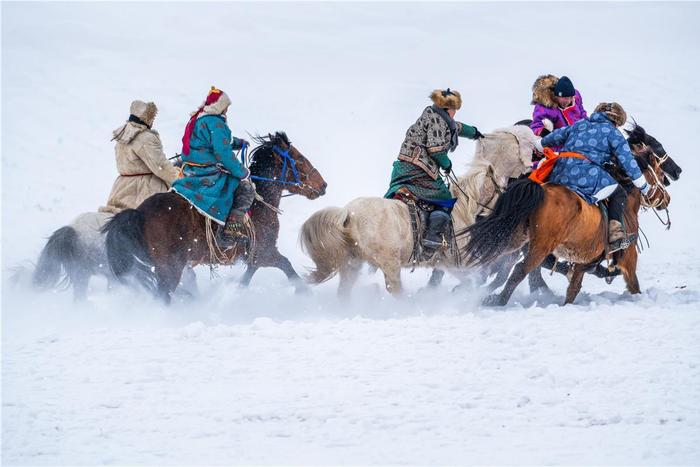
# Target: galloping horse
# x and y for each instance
(379, 231)
(156, 240)
(554, 219)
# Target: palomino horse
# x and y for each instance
(555, 220)
(156, 240)
(378, 231)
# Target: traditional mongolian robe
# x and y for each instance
(598, 140)
(143, 168)
(424, 152)
(211, 170)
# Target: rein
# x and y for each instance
(656, 186)
(288, 163)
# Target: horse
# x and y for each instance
(552, 219)
(379, 231)
(73, 254)
(642, 144)
(156, 240)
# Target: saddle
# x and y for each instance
(419, 210)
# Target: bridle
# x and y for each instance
(657, 193)
(288, 165)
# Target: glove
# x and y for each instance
(477, 133)
(645, 189)
(548, 125)
(538, 145)
(244, 143)
(247, 174)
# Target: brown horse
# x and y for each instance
(155, 241)
(555, 220)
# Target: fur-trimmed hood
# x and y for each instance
(217, 108)
(130, 130)
(543, 91)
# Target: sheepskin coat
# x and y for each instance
(143, 168)
(546, 106)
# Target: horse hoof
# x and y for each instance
(494, 300)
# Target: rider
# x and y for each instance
(143, 168)
(557, 104)
(422, 155)
(597, 139)
(215, 181)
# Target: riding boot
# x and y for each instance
(233, 232)
(437, 225)
(617, 237)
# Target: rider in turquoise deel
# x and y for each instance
(214, 180)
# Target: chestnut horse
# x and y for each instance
(555, 220)
(155, 241)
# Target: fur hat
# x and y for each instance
(543, 91)
(216, 103)
(145, 111)
(613, 111)
(446, 99)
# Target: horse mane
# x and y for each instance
(468, 190)
(261, 157)
(637, 135)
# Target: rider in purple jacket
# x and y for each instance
(557, 104)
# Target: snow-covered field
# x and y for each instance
(265, 376)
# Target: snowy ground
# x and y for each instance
(265, 376)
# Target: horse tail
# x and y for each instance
(324, 238)
(492, 235)
(127, 251)
(59, 259)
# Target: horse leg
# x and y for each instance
(348, 275)
(392, 278)
(274, 259)
(168, 277)
(536, 281)
(188, 282)
(577, 273)
(80, 281)
(248, 275)
(436, 278)
(627, 262)
(534, 257)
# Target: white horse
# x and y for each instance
(378, 231)
(76, 252)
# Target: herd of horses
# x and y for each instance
(156, 245)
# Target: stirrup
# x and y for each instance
(622, 243)
(228, 240)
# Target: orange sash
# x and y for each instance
(541, 173)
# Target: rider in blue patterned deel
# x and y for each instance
(598, 139)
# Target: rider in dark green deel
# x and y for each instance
(424, 152)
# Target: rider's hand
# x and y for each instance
(645, 189)
(538, 145)
(477, 133)
(244, 143)
(448, 169)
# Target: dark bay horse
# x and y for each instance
(155, 241)
(552, 219)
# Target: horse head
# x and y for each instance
(640, 141)
(276, 161)
(657, 197)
